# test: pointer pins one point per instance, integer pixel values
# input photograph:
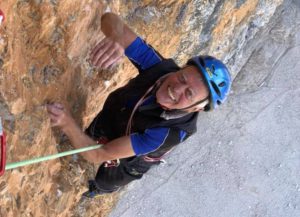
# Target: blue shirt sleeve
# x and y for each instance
(150, 140)
(142, 54)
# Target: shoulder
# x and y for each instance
(154, 138)
(144, 56)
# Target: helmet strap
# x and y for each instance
(201, 103)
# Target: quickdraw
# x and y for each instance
(2, 17)
(3, 151)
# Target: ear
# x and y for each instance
(195, 109)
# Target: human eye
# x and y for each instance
(182, 78)
(189, 94)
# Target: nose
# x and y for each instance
(179, 88)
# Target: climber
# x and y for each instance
(143, 120)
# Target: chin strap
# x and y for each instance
(173, 114)
(178, 113)
(202, 103)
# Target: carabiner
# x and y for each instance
(3, 151)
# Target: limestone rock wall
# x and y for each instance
(44, 47)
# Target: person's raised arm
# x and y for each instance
(113, 27)
(118, 37)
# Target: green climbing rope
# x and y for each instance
(50, 157)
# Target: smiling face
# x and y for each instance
(182, 89)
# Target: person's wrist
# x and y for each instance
(70, 127)
(118, 41)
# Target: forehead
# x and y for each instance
(193, 72)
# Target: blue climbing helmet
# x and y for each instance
(216, 76)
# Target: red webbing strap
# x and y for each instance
(3, 154)
(2, 17)
(102, 140)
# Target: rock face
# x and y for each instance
(44, 47)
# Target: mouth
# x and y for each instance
(171, 95)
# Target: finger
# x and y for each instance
(95, 51)
(53, 117)
(115, 63)
(115, 57)
(53, 120)
(53, 123)
(102, 46)
(98, 46)
(104, 49)
(54, 110)
(54, 114)
(105, 56)
(58, 105)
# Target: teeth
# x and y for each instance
(171, 94)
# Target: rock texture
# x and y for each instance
(44, 48)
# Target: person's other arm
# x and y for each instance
(126, 146)
(118, 148)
